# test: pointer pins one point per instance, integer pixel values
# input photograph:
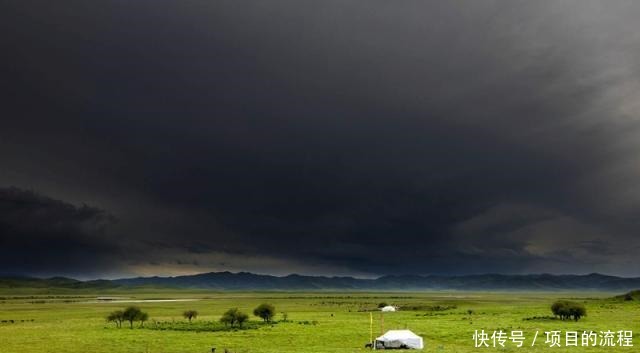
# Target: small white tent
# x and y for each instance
(399, 339)
(389, 308)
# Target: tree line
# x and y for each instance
(231, 317)
(130, 314)
(234, 316)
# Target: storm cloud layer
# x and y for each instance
(333, 137)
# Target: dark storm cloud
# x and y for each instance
(48, 236)
(289, 136)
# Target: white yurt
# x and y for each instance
(389, 308)
(395, 339)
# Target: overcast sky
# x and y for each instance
(319, 137)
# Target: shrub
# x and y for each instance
(201, 326)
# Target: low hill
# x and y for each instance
(629, 296)
(251, 281)
(54, 282)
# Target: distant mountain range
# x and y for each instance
(250, 281)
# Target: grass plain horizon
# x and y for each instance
(64, 321)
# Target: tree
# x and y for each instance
(228, 319)
(567, 309)
(265, 311)
(190, 314)
(234, 316)
(116, 317)
(142, 317)
(132, 314)
(577, 310)
(560, 309)
(241, 318)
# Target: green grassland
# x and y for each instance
(64, 321)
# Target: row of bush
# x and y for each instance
(201, 326)
(15, 321)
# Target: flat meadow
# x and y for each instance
(40, 320)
